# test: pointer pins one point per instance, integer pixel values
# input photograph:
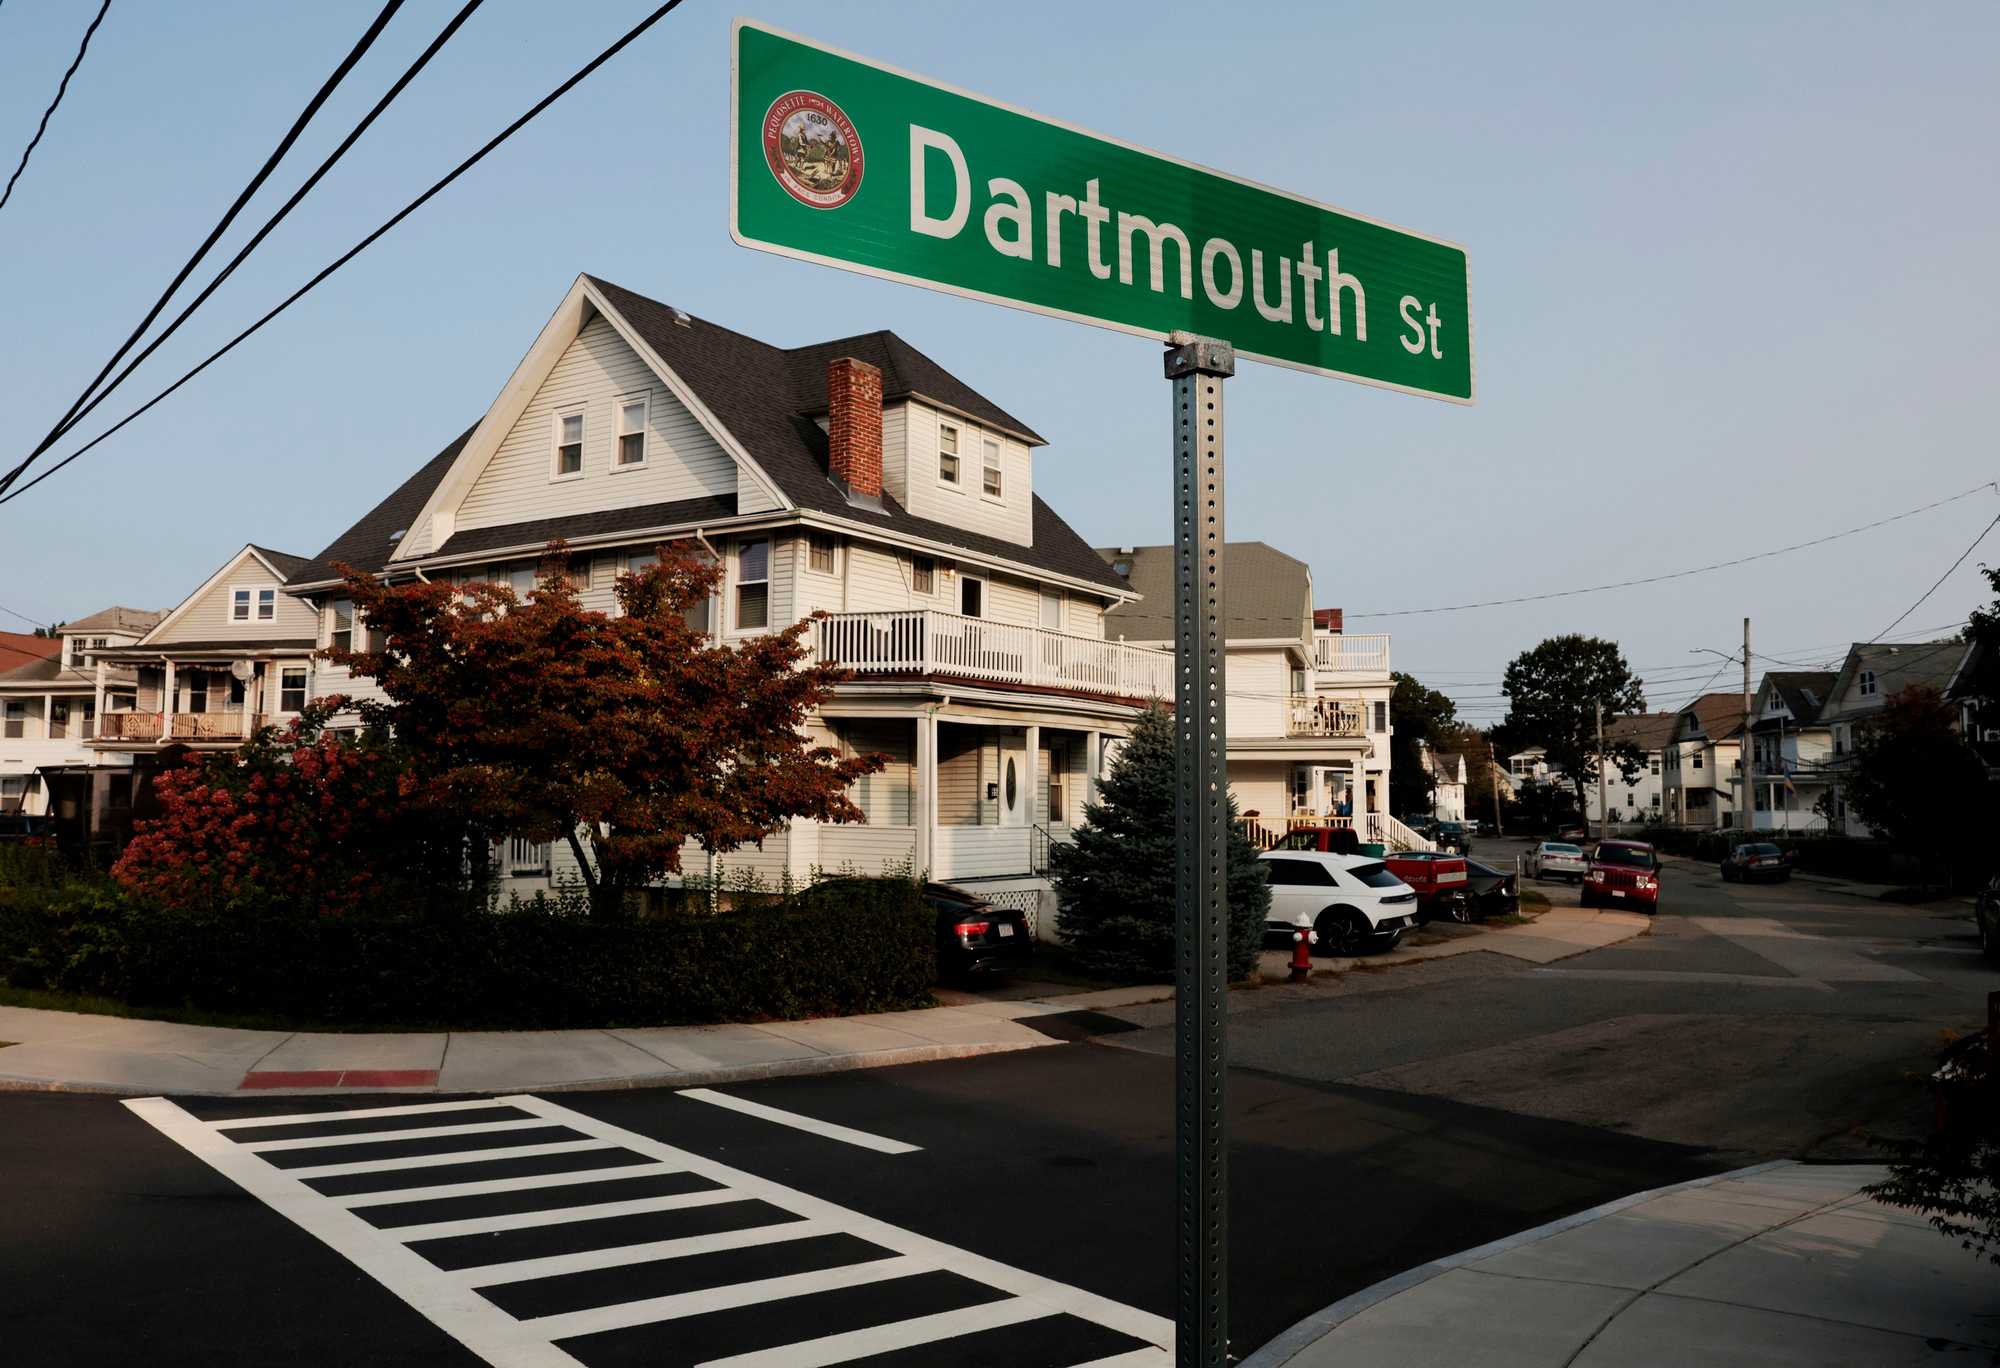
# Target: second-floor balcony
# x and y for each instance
(1337, 653)
(923, 641)
(191, 727)
(1322, 716)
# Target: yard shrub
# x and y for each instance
(870, 946)
(1952, 1176)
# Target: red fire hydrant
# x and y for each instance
(1302, 964)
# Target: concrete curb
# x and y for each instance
(1324, 1321)
(686, 1078)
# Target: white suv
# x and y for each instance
(1352, 901)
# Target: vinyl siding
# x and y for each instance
(966, 760)
(1083, 617)
(683, 461)
(896, 452)
(887, 797)
(1258, 684)
(207, 618)
(963, 505)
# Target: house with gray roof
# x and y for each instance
(856, 478)
(49, 709)
(1307, 709)
(1791, 748)
(1872, 673)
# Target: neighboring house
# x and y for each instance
(19, 648)
(1641, 798)
(855, 477)
(1531, 766)
(1790, 749)
(235, 655)
(1975, 689)
(1307, 708)
(1701, 784)
(1447, 785)
(1869, 677)
(49, 709)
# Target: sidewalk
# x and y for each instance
(1782, 1264)
(68, 1051)
(1556, 934)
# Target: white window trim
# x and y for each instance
(999, 467)
(732, 605)
(305, 688)
(556, 473)
(249, 591)
(833, 541)
(1042, 600)
(956, 485)
(257, 602)
(643, 398)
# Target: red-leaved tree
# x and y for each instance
(625, 734)
(297, 817)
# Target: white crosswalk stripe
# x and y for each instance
(451, 1298)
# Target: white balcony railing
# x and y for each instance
(1367, 653)
(923, 641)
(1325, 717)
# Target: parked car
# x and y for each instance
(1757, 860)
(1555, 860)
(1453, 836)
(20, 828)
(974, 937)
(1573, 831)
(1986, 914)
(1330, 839)
(1623, 872)
(1354, 903)
(1421, 825)
(1439, 881)
(1490, 892)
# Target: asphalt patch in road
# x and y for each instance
(1075, 1026)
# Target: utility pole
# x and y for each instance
(1493, 777)
(1743, 748)
(1603, 813)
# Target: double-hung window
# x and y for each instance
(947, 453)
(239, 605)
(819, 553)
(1381, 716)
(292, 689)
(267, 605)
(58, 718)
(15, 726)
(753, 585)
(1867, 683)
(342, 637)
(990, 479)
(1052, 609)
(631, 431)
(923, 576)
(569, 445)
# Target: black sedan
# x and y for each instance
(976, 937)
(1491, 892)
(1756, 860)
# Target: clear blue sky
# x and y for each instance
(1733, 284)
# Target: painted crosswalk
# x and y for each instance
(538, 1236)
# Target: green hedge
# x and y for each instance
(870, 948)
(1841, 857)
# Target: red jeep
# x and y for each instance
(1623, 872)
(1438, 879)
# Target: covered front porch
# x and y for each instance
(1281, 787)
(199, 698)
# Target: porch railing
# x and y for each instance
(129, 726)
(1266, 832)
(924, 641)
(1366, 653)
(519, 857)
(1320, 716)
(215, 726)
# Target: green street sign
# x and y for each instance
(853, 164)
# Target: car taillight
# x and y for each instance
(969, 929)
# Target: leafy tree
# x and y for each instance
(1982, 633)
(633, 732)
(1552, 695)
(1116, 882)
(302, 817)
(1418, 717)
(1915, 781)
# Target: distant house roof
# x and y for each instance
(1804, 692)
(136, 621)
(18, 648)
(1717, 716)
(1265, 595)
(1447, 767)
(1895, 667)
(766, 398)
(1648, 731)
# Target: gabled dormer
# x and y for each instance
(242, 602)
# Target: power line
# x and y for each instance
(48, 113)
(388, 97)
(582, 74)
(298, 127)
(23, 616)
(1940, 579)
(1681, 574)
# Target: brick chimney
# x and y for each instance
(1327, 619)
(854, 429)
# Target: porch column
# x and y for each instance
(925, 787)
(1093, 761)
(49, 717)
(100, 696)
(167, 701)
(1031, 796)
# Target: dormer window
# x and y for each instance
(1867, 683)
(241, 601)
(569, 445)
(631, 431)
(267, 605)
(239, 605)
(990, 483)
(947, 454)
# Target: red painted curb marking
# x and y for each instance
(338, 1078)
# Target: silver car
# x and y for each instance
(1556, 860)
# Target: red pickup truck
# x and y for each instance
(1623, 872)
(1437, 879)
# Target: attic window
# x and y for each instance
(397, 535)
(1867, 683)
(947, 453)
(632, 430)
(569, 445)
(1122, 567)
(992, 486)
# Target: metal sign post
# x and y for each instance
(1197, 367)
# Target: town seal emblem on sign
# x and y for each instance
(813, 150)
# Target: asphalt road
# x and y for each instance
(1379, 1123)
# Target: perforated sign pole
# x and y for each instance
(1197, 367)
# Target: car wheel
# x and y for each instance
(1342, 932)
(1459, 911)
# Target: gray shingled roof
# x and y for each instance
(595, 524)
(1805, 691)
(137, 621)
(765, 397)
(1264, 598)
(284, 562)
(1648, 731)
